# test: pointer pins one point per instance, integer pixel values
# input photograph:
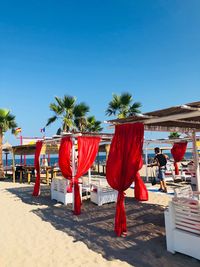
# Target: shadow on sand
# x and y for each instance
(144, 245)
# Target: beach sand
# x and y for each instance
(35, 231)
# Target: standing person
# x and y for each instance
(160, 160)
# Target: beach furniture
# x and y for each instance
(188, 173)
(169, 174)
(101, 193)
(186, 192)
(60, 190)
(182, 224)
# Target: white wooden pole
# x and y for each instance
(89, 176)
(73, 171)
(146, 162)
(196, 161)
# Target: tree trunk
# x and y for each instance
(1, 155)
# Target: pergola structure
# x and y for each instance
(51, 146)
(169, 141)
(184, 119)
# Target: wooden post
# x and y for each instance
(89, 176)
(146, 162)
(54, 173)
(13, 166)
(47, 176)
(21, 142)
(20, 176)
(107, 148)
(98, 163)
(29, 177)
(196, 160)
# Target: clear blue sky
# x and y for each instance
(93, 48)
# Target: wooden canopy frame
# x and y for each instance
(51, 146)
(184, 118)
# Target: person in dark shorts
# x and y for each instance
(160, 160)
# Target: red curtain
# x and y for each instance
(178, 151)
(87, 151)
(140, 189)
(124, 161)
(64, 157)
(36, 189)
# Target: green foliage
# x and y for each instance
(93, 125)
(72, 115)
(122, 107)
(7, 121)
(174, 135)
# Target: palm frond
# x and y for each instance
(81, 110)
(125, 99)
(135, 109)
(69, 102)
(59, 131)
(58, 110)
(7, 120)
(93, 125)
(59, 101)
(51, 120)
(4, 112)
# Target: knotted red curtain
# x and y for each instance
(123, 164)
(36, 189)
(178, 151)
(140, 189)
(87, 151)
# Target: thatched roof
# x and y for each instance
(6, 147)
(30, 149)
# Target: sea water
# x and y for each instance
(100, 158)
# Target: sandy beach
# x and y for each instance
(40, 232)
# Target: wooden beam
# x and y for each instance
(173, 117)
(167, 129)
(188, 122)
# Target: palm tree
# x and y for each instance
(80, 119)
(93, 125)
(122, 107)
(7, 122)
(71, 114)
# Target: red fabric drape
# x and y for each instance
(36, 189)
(140, 189)
(178, 151)
(64, 157)
(123, 164)
(64, 160)
(87, 151)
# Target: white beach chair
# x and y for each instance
(188, 173)
(182, 224)
(169, 174)
(59, 192)
(102, 193)
(186, 192)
